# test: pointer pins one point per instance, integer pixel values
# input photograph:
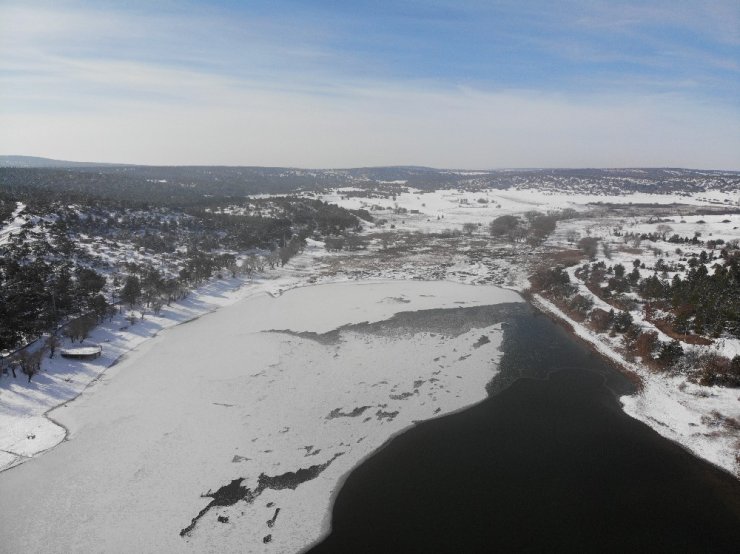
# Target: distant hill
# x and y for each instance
(35, 161)
(26, 177)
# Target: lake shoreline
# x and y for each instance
(663, 392)
(551, 446)
(249, 403)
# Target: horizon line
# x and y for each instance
(341, 168)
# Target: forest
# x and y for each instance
(693, 310)
(94, 240)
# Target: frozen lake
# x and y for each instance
(548, 463)
(233, 432)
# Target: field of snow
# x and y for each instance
(283, 395)
(433, 211)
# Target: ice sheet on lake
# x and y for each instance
(286, 394)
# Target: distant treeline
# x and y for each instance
(188, 186)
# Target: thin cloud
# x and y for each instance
(198, 86)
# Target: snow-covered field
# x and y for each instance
(433, 211)
(247, 392)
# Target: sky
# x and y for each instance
(323, 83)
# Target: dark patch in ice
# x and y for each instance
(230, 494)
(223, 519)
(396, 299)
(328, 338)
(465, 357)
(292, 479)
(271, 522)
(267, 538)
(401, 396)
(237, 459)
(481, 341)
(337, 412)
(448, 322)
(418, 383)
(222, 404)
(390, 416)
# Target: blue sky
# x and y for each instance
(330, 83)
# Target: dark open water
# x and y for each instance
(548, 462)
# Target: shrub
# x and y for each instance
(503, 224)
(555, 280)
(601, 320)
(581, 304)
(718, 370)
(670, 353)
(622, 322)
(646, 344)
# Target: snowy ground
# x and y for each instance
(435, 211)
(14, 224)
(180, 426)
(246, 393)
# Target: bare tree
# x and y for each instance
(156, 305)
(79, 329)
(273, 258)
(664, 229)
(30, 362)
(503, 225)
(589, 246)
(52, 342)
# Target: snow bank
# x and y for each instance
(25, 431)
